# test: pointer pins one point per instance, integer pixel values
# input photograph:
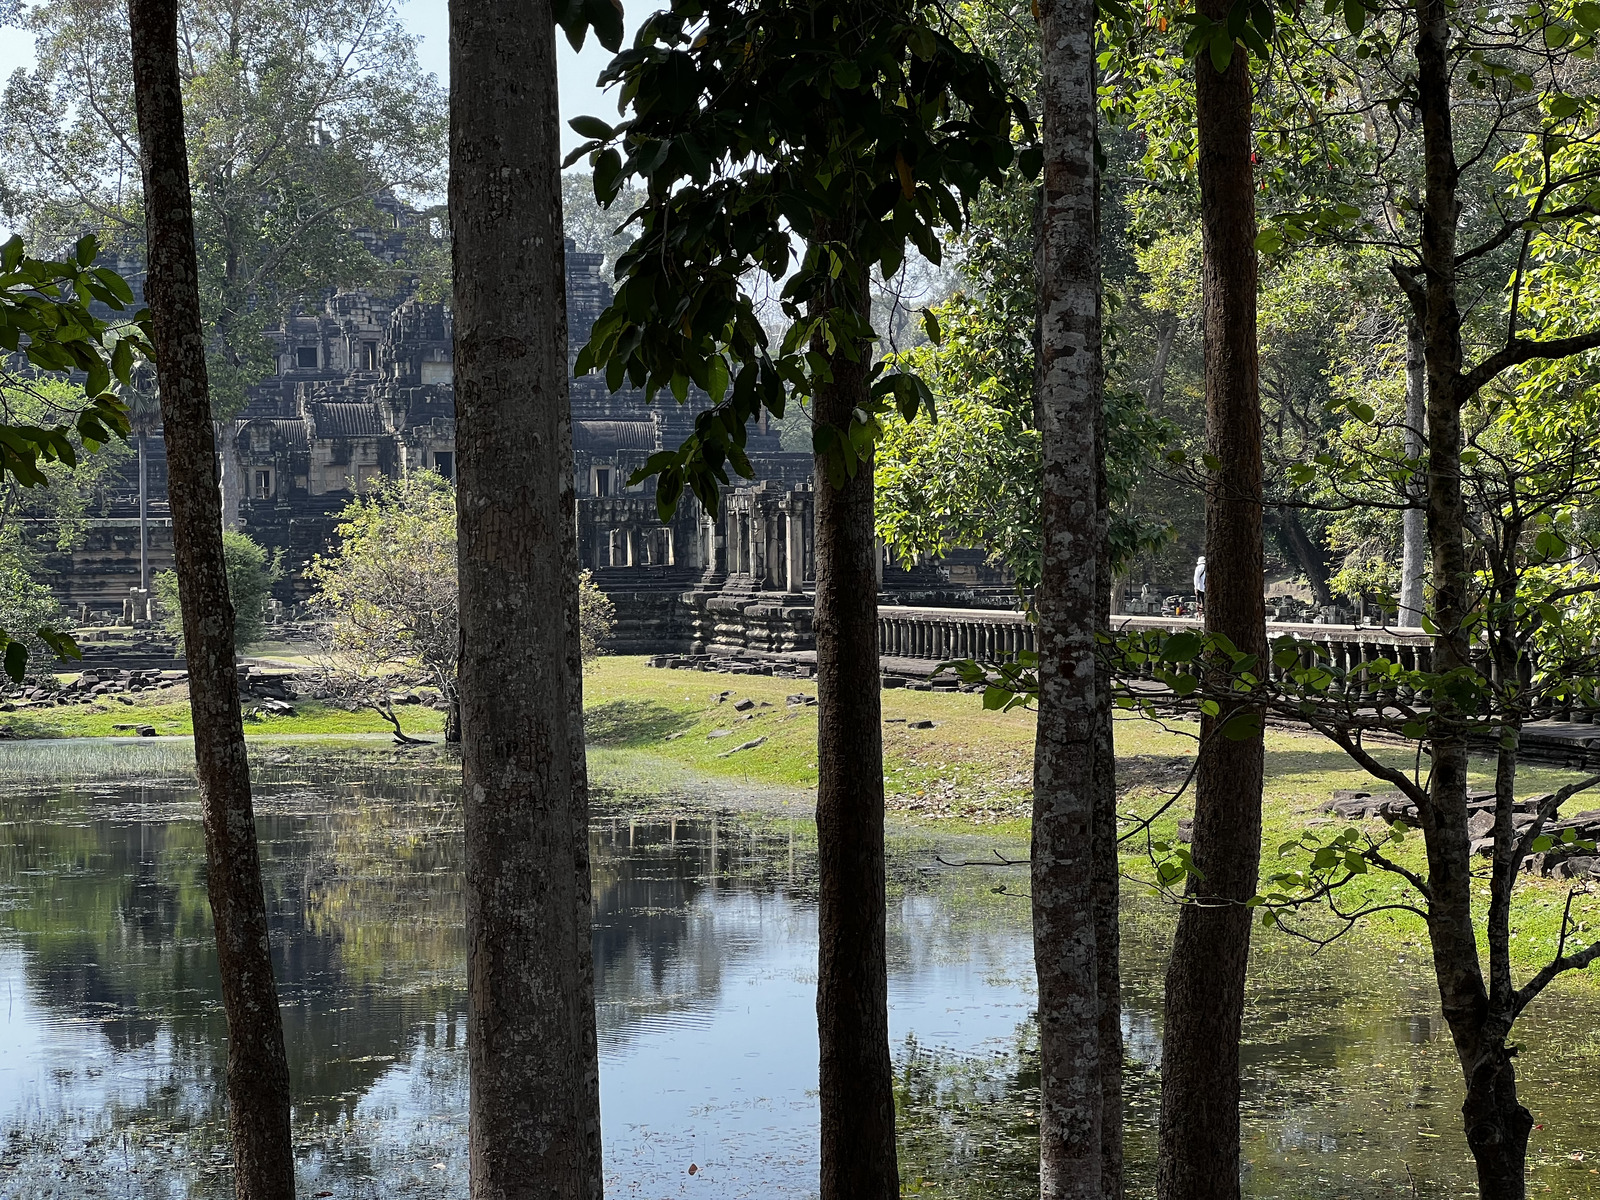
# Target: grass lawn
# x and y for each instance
(972, 772)
(168, 712)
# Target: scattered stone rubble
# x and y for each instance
(732, 664)
(782, 667)
(1560, 861)
(90, 685)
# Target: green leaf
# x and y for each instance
(592, 127)
(16, 661)
(1562, 107)
(607, 176)
(1242, 727)
(1221, 50)
(1269, 240)
(1181, 647)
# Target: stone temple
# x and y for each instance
(363, 392)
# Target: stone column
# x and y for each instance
(795, 552)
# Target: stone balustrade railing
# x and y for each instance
(1345, 647)
(989, 635)
(992, 635)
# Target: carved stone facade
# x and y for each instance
(364, 392)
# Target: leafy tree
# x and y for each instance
(302, 116)
(389, 588)
(597, 617)
(806, 142)
(251, 574)
(48, 326)
(390, 594)
(1454, 146)
(55, 514)
(25, 604)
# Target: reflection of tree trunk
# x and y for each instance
(533, 1103)
(144, 516)
(1286, 524)
(1166, 334)
(1414, 546)
(1068, 600)
(257, 1073)
(855, 1078)
(1198, 1155)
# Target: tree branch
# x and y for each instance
(1521, 350)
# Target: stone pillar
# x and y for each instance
(795, 552)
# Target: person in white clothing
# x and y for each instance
(1200, 582)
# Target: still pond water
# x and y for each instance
(705, 945)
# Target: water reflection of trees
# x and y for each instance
(113, 915)
(677, 902)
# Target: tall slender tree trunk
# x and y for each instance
(857, 1089)
(1068, 600)
(1166, 334)
(1414, 539)
(533, 1106)
(258, 1073)
(1107, 882)
(1198, 1156)
(1495, 1122)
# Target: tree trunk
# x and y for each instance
(857, 1089)
(533, 1105)
(1414, 546)
(1307, 553)
(1107, 884)
(1198, 1155)
(583, 925)
(1068, 599)
(258, 1074)
(144, 517)
(1496, 1124)
(1166, 335)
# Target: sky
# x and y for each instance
(429, 21)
